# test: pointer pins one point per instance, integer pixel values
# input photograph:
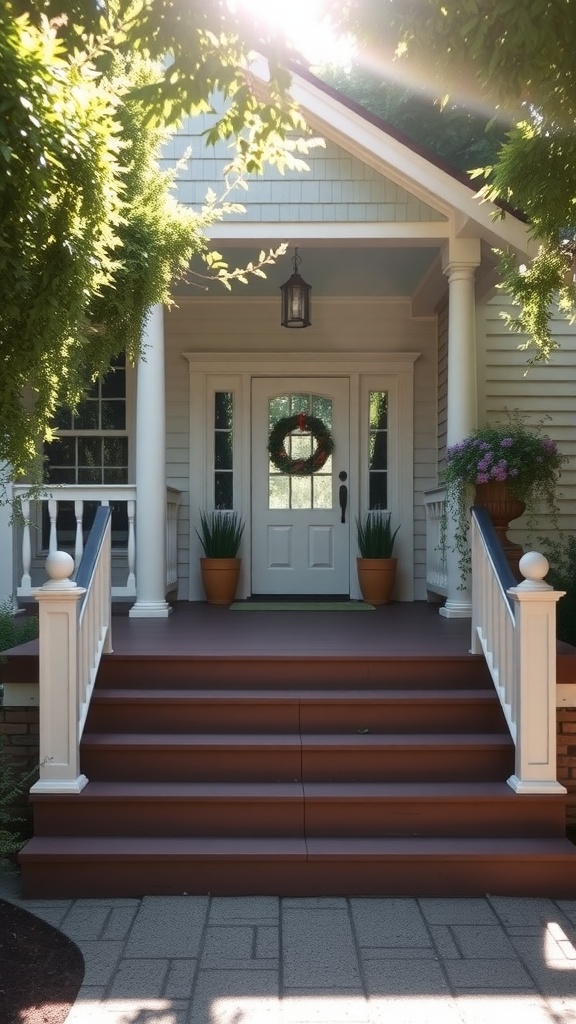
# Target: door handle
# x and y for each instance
(343, 496)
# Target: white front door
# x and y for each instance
(300, 523)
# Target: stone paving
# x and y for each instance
(263, 960)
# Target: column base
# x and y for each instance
(60, 785)
(150, 610)
(456, 610)
(545, 786)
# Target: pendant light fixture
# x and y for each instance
(296, 299)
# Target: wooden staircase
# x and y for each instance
(297, 776)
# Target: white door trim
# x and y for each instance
(233, 371)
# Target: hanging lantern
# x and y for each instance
(296, 299)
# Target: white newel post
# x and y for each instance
(535, 683)
(151, 474)
(460, 266)
(58, 676)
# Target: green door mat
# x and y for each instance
(301, 606)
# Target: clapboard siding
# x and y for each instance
(543, 393)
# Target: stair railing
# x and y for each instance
(74, 632)
(514, 626)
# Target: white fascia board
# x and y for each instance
(407, 168)
(424, 232)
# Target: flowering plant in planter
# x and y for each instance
(522, 457)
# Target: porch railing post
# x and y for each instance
(535, 683)
(58, 676)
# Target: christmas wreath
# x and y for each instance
(300, 467)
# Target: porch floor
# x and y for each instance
(195, 628)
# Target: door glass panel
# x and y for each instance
(322, 408)
(279, 491)
(378, 450)
(300, 403)
(322, 491)
(301, 492)
(223, 490)
(293, 490)
(224, 449)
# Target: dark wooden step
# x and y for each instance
(288, 758)
(69, 867)
(293, 711)
(298, 776)
(281, 671)
(310, 809)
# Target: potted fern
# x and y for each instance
(220, 535)
(376, 564)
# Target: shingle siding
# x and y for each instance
(338, 187)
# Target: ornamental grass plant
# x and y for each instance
(375, 535)
(220, 533)
(513, 453)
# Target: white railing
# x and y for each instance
(514, 626)
(49, 503)
(436, 568)
(74, 632)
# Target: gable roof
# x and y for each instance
(415, 167)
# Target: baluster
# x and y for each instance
(79, 545)
(131, 581)
(26, 582)
(53, 514)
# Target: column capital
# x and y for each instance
(461, 254)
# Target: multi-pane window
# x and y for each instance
(91, 448)
(224, 449)
(92, 443)
(378, 450)
(289, 491)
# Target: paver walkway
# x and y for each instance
(262, 960)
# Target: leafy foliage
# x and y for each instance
(220, 533)
(90, 234)
(514, 453)
(375, 535)
(14, 783)
(461, 137)
(518, 58)
(15, 630)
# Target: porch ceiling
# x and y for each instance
(334, 269)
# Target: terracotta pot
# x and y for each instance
(220, 579)
(502, 508)
(376, 577)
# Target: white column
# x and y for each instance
(151, 474)
(7, 578)
(460, 264)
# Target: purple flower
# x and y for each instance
(506, 442)
(482, 478)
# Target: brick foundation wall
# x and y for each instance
(566, 758)
(19, 728)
